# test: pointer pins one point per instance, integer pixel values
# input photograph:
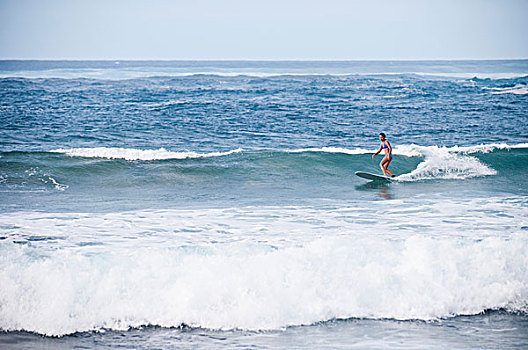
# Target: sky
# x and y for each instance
(264, 30)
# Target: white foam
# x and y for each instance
(478, 75)
(138, 154)
(415, 278)
(450, 162)
(262, 268)
(486, 148)
(445, 162)
(413, 150)
(332, 150)
(519, 89)
(44, 178)
(58, 186)
(277, 226)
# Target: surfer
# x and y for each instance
(388, 155)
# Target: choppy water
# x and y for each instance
(179, 204)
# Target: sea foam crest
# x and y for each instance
(518, 89)
(450, 162)
(138, 154)
(445, 163)
(413, 150)
(67, 291)
(331, 150)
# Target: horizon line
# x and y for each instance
(263, 59)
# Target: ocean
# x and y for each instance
(213, 204)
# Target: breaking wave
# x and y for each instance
(138, 154)
(240, 287)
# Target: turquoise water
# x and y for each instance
(178, 204)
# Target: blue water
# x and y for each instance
(214, 204)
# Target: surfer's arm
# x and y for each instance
(390, 148)
(379, 150)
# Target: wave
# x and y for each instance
(138, 154)
(63, 167)
(123, 74)
(238, 287)
(476, 75)
(331, 150)
(451, 162)
(413, 150)
(438, 162)
(445, 163)
(518, 89)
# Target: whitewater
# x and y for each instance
(214, 204)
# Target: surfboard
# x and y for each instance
(372, 177)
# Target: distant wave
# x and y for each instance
(121, 74)
(518, 89)
(137, 154)
(477, 75)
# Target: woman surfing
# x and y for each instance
(385, 145)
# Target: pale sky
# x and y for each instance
(269, 29)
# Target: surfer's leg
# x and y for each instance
(389, 159)
(385, 164)
(382, 166)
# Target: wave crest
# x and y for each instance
(415, 278)
(331, 150)
(446, 163)
(138, 154)
(518, 89)
(456, 162)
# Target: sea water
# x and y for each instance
(211, 204)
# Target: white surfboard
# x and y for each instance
(372, 177)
